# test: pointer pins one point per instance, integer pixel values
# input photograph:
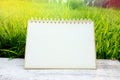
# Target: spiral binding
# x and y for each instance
(54, 20)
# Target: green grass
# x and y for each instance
(15, 14)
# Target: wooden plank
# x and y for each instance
(13, 69)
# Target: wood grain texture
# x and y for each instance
(14, 70)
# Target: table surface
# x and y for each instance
(13, 69)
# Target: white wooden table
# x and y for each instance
(14, 70)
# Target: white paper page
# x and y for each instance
(60, 45)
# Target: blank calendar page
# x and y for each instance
(52, 45)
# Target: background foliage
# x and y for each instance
(14, 15)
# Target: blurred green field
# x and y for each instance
(14, 15)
